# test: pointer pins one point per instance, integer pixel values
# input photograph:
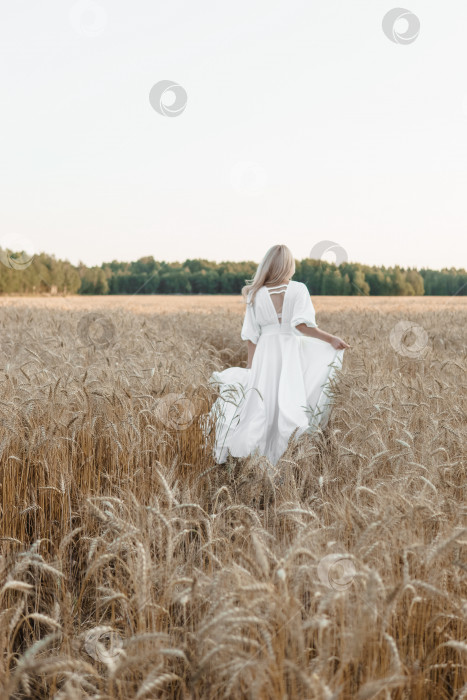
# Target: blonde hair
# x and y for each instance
(278, 264)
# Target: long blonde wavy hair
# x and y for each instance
(278, 264)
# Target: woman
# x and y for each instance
(285, 384)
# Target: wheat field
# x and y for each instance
(132, 566)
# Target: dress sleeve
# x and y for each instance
(303, 311)
(251, 329)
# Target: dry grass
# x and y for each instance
(206, 303)
(209, 579)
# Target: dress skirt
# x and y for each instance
(287, 387)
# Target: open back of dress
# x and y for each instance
(278, 300)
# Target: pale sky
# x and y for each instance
(303, 122)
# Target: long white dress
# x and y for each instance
(287, 386)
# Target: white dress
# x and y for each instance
(287, 386)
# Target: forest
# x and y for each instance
(45, 274)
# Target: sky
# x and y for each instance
(295, 122)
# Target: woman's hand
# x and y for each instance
(338, 343)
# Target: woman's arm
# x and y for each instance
(251, 352)
(336, 342)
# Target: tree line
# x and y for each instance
(46, 275)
